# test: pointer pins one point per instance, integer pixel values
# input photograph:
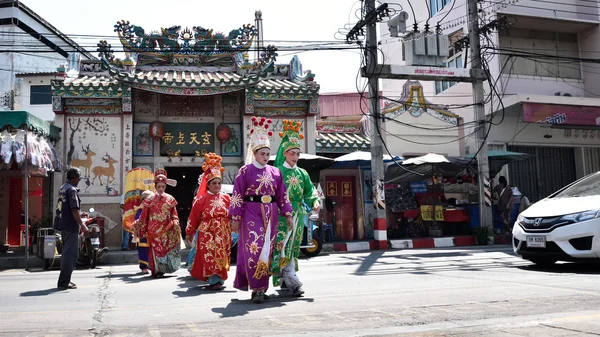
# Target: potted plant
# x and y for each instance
(483, 236)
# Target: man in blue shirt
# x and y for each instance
(69, 223)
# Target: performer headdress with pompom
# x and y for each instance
(259, 136)
(212, 169)
(160, 176)
(290, 139)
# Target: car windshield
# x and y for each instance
(587, 187)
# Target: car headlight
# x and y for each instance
(520, 218)
(583, 216)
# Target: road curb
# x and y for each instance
(416, 243)
(117, 257)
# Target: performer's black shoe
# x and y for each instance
(102, 252)
(284, 286)
(258, 297)
(298, 292)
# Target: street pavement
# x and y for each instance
(439, 292)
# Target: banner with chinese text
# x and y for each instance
(187, 139)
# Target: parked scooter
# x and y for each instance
(89, 242)
(312, 240)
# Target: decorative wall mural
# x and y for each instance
(230, 174)
(187, 106)
(233, 147)
(143, 144)
(145, 103)
(231, 104)
(94, 145)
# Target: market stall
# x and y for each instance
(26, 145)
(436, 195)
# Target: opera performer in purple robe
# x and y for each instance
(258, 193)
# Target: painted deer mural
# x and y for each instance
(85, 163)
(106, 171)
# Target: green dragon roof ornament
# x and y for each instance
(191, 47)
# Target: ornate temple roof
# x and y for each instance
(88, 86)
(342, 143)
(341, 137)
(191, 62)
(414, 102)
(283, 86)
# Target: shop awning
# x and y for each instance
(505, 156)
(360, 159)
(311, 163)
(24, 119)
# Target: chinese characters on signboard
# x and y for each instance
(581, 133)
(187, 139)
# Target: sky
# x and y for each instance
(307, 20)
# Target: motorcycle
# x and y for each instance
(312, 239)
(89, 242)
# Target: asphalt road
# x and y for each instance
(441, 292)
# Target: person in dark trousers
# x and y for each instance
(69, 224)
(505, 204)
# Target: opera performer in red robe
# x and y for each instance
(210, 217)
(159, 224)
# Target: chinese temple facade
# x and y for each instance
(178, 94)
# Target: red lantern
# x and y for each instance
(157, 130)
(223, 133)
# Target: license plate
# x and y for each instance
(95, 241)
(536, 241)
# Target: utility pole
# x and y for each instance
(485, 209)
(379, 222)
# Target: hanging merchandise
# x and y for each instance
(6, 151)
(55, 162)
(47, 154)
(33, 157)
(19, 147)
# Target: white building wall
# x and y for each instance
(403, 139)
(31, 54)
(569, 15)
(23, 97)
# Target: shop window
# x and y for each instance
(40, 95)
(437, 5)
(553, 44)
(454, 61)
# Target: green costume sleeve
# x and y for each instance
(310, 192)
(280, 158)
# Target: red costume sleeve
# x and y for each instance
(195, 215)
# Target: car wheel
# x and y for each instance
(541, 262)
(318, 246)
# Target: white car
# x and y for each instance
(563, 227)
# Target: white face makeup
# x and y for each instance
(262, 155)
(292, 156)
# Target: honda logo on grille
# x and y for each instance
(537, 222)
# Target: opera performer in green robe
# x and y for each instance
(300, 190)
